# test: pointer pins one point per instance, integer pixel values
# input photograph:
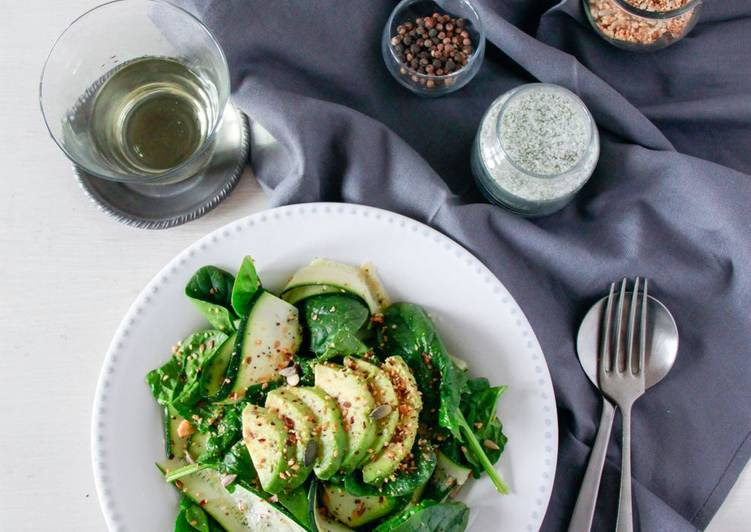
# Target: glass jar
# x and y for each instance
(636, 25)
(536, 146)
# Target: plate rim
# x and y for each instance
(104, 495)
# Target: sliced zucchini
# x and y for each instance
(320, 521)
(269, 447)
(175, 446)
(269, 338)
(216, 370)
(337, 275)
(205, 488)
(295, 295)
(356, 403)
(355, 510)
(329, 433)
(447, 477)
(197, 444)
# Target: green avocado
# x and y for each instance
(387, 404)
(328, 431)
(356, 403)
(410, 404)
(269, 446)
(300, 424)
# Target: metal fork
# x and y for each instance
(622, 377)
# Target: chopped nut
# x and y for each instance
(185, 429)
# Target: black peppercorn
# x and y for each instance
(438, 45)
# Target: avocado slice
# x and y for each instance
(356, 403)
(387, 404)
(269, 447)
(354, 510)
(328, 431)
(410, 404)
(299, 422)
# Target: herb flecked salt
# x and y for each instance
(536, 147)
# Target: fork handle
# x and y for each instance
(625, 521)
(584, 511)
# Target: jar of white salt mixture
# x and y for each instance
(536, 146)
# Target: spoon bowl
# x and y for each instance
(662, 340)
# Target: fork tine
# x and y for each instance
(643, 327)
(604, 355)
(618, 357)
(631, 326)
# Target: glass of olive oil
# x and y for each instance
(134, 91)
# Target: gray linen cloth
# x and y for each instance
(669, 200)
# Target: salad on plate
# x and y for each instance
(324, 408)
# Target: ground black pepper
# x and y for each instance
(436, 45)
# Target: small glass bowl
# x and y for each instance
(424, 84)
(637, 30)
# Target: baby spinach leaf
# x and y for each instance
(224, 434)
(409, 332)
(192, 517)
(210, 289)
(333, 321)
(479, 404)
(197, 518)
(245, 288)
(428, 515)
(195, 352)
(168, 381)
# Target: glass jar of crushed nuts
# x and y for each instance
(433, 48)
(642, 25)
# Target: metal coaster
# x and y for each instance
(163, 206)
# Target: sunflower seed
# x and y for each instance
(228, 479)
(490, 444)
(380, 411)
(288, 371)
(311, 452)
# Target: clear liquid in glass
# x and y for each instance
(151, 114)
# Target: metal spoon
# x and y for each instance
(662, 339)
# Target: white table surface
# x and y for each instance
(67, 275)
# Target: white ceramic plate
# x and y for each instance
(476, 315)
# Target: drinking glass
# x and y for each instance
(134, 91)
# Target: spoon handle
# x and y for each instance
(625, 521)
(584, 511)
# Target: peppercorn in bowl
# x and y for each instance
(433, 50)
